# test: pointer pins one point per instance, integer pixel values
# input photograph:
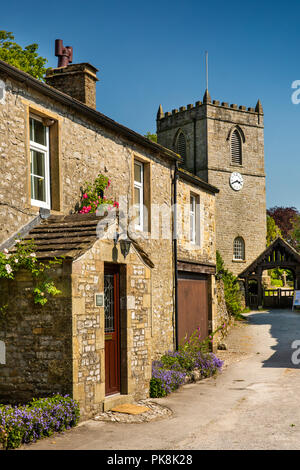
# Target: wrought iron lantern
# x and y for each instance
(125, 246)
(124, 243)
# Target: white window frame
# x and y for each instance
(240, 250)
(44, 149)
(193, 226)
(140, 186)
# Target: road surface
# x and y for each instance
(252, 404)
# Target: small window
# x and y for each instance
(39, 163)
(236, 148)
(139, 195)
(181, 145)
(239, 249)
(194, 220)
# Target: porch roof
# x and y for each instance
(70, 236)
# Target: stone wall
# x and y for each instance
(38, 340)
(207, 128)
(88, 327)
(204, 250)
(238, 213)
(82, 149)
(222, 318)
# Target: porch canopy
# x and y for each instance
(280, 254)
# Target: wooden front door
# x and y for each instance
(112, 329)
(192, 305)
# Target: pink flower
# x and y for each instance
(108, 183)
(84, 196)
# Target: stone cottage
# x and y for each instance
(125, 298)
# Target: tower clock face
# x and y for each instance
(236, 181)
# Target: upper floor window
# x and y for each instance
(236, 148)
(39, 163)
(139, 194)
(181, 145)
(194, 220)
(239, 249)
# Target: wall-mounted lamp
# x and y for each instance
(124, 243)
(125, 246)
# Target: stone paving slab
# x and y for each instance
(151, 412)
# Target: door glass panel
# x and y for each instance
(109, 318)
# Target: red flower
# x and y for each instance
(84, 196)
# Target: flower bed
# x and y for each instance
(40, 418)
(192, 361)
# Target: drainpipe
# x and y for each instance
(175, 252)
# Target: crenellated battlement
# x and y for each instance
(190, 108)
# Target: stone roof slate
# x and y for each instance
(70, 236)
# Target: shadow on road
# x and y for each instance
(285, 328)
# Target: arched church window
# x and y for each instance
(239, 249)
(181, 145)
(236, 148)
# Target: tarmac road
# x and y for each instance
(252, 404)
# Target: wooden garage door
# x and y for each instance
(192, 304)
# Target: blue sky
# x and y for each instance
(149, 53)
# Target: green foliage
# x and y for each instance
(150, 136)
(276, 282)
(273, 231)
(231, 288)
(25, 59)
(296, 232)
(156, 388)
(24, 257)
(45, 287)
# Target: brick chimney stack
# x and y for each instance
(77, 80)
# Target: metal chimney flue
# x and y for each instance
(64, 54)
(76, 80)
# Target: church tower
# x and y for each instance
(224, 145)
